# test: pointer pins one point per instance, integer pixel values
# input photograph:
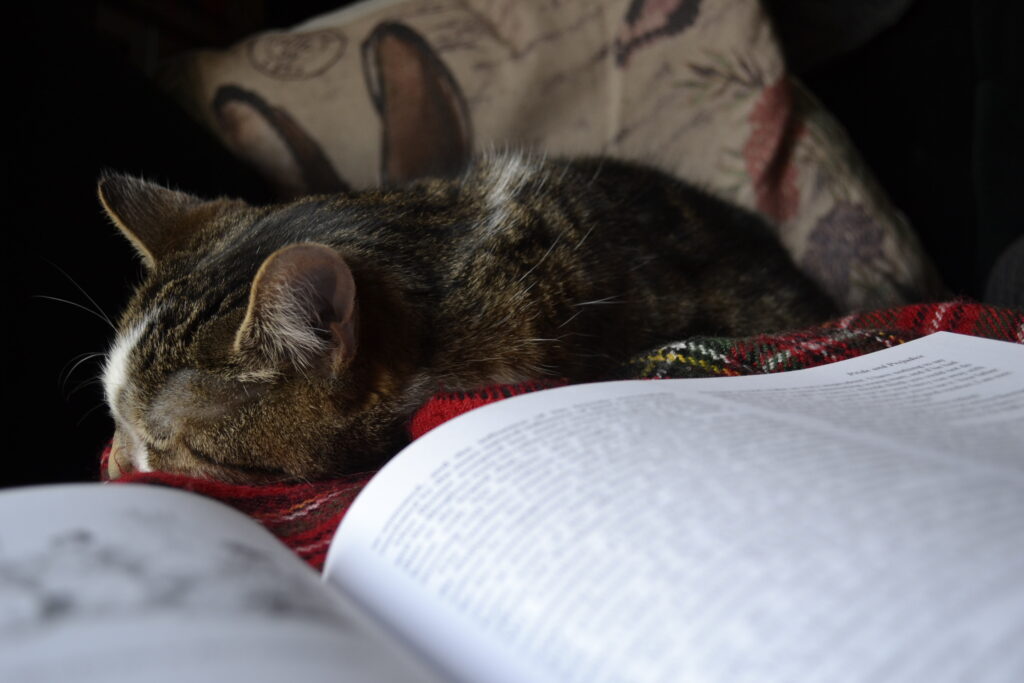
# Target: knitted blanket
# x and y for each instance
(304, 516)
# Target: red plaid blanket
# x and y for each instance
(304, 516)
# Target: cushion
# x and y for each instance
(385, 91)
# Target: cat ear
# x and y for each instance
(152, 217)
(302, 308)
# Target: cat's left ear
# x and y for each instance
(302, 310)
(155, 219)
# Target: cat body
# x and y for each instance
(293, 341)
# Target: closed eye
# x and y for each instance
(157, 451)
(249, 469)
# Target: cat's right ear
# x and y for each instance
(152, 217)
(302, 310)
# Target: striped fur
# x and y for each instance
(521, 269)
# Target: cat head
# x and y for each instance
(236, 357)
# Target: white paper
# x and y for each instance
(818, 525)
(134, 583)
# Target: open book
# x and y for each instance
(861, 521)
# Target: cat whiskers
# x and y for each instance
(642, 263)
(594, 302)
(565, 171)
(603, 300)
(96, 309)
(92, 381)
(89, 412)
(570, 318)
(99, 314)
(531, 340)
(583, 239)
(65, 374)
(539, 261)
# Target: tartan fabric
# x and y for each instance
(305, 515)
(840, 339)
(445, 406)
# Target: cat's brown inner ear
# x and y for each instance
(152, 217)
(302, 310)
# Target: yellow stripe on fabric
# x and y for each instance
(673, 357)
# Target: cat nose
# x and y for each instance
(120, 460)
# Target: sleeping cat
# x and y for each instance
(292, 342)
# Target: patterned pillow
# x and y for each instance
(389, 90)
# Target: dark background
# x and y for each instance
(928, 90)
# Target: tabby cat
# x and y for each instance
(293, 341)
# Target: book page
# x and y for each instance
(148, 584)
(842, 523)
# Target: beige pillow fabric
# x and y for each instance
(388, 90)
